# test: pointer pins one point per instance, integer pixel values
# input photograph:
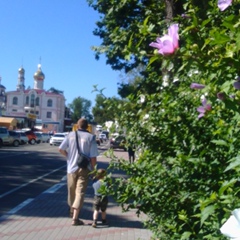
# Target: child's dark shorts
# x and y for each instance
(100, 203)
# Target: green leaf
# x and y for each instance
(235, 162)
(206, 213)
(153, 59)
(186, 235)
(226, 185)
(220, 142)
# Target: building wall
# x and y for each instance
(56, 110)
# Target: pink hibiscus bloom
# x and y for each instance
(197, 86)
(204, 108)
(223, 4)
(169, 42)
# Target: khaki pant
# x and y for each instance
(77, 184)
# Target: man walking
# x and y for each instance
(77, 178)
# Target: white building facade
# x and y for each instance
(36, 105)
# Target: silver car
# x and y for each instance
(23, 137)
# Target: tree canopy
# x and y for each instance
(183, 117)
(80, 107)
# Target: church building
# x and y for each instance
(36, 107)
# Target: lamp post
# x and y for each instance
(2, 109)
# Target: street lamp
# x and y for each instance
(2, 109)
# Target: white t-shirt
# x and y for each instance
(96, 186)
(87, 144)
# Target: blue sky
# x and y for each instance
(59, 32)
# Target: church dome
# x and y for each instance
(21, 70)
(39, 75)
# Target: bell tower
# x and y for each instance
(21, 79)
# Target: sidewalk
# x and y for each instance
(47, 217)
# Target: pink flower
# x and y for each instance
(223, 4)
(204, 108)
(168, 43)
(197, 86)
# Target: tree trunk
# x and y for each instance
(169, 10)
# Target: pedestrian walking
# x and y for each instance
(131, 154)
(100, 202)
(77, 177)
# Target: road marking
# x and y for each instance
(54, 188)
(20, 206)
(32, 181)
(16, 209)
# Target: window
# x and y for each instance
(27, 100)
(15, 101)
(49, 115)
(3, 130)
(32, 104)
(14, 110)
(49, 103)
(37, 101)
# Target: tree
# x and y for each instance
(80, 107)
(105, 109)
(185, 117)
(131, 82)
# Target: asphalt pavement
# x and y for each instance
(47, 217)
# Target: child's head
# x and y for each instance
(101, 173)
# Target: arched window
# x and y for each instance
(49, 103)
(32, 101)
(27, 100)
(15, 101)
(37, 101)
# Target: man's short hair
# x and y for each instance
(82, 123)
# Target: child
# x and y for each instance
(100, 202)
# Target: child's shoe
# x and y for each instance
(94, 224)
(104, 222)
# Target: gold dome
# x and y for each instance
(39, 75)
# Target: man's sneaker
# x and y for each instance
(104, 222)
(94, 224)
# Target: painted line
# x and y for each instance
(16, 209)
(20, 206)
(54, 188)
(32, 181)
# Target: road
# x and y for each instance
(28, 170)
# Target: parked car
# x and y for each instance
(45, 137)
(57, 139)
(32, 138)
(118, 142)
(106, 133)
(38, 137)
(23, 137)
(14, 138)
(4, 136)
(98, 141)
(102, 137)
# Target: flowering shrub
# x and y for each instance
(186, 178)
